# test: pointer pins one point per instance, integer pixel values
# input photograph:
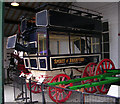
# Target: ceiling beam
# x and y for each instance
(11, 21)
(20, 7)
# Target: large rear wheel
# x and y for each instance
(89, 71)
(60, 95)
(105, 64)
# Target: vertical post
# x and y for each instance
(117, 101)
(82, 98)
(43, 96)
(48, 48)
(14, 89)
(86, 44)
(47, 42)
(100, 41)
(69, 43)
(1, 58)
(25, 91)
(30, 90)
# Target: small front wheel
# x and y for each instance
(35, 88)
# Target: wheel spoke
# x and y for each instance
(87, 73)
(102, 87)
(106, 90)
(93, 69)
(58, 79)
(85, 76)
(63, 78)
(90, 69)
(54, 94)
(53, 90)
(67, 85)
(99, 71)
(104, 71)
(58, 96)
(102, 66)
(86, 81)
(55, 80)
(65, 93)
(35, 87)
(46, 81)
(93, 88)
(38, 88)
(113, 67)
(108, 66)
(62, 95)
(105, 64)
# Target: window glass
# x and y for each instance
(75, 44)
(33, 47)
(106, 55)
(83, 45)
(33, 63)
(105, 26)
(26, 63)
(42, 44)
(95, 45)
(88, 44)
(59, 44)
(105, 37)
(42, 63)
(106, 47)
(78, 44)
(105, 40)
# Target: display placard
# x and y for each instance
(72, 61)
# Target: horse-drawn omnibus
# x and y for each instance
(57, 45)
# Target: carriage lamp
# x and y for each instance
(14, 3)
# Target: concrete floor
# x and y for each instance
(8, 93)
(9, 96)
(74, 98)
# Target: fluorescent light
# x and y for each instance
(15, 4)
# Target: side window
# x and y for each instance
(105, 40)
(42, 44)
(59, 44)
(95, 45)
(84, 45)
(77, 44)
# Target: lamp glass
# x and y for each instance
(14, 4)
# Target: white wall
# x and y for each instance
(53, 46)
(119, 33)
(64, 47)
(110, 13)
(6, 59)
